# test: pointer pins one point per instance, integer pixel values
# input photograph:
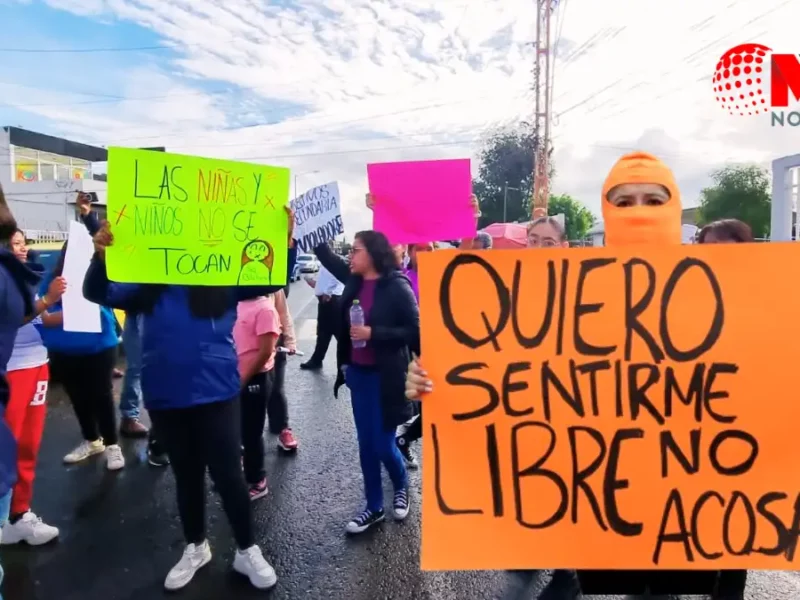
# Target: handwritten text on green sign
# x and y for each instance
(196, 221)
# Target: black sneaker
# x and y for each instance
(365, 520)
(311, 365)
(156, 455)
(405, 452)
(400, 504)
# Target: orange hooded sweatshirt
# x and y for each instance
(642, 224)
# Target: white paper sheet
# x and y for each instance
(80, 315)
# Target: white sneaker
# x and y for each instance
(194, 558)
(84, 451)
(29, 529)
(114, 459)
(252, 565)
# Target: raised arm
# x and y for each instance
(98, 289)
(88, 218)
(336, 264)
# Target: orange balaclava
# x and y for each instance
(642, 224)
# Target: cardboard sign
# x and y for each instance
(189, 220)
(422, 201)
(611, 408)
(80, 315)
(317, 216)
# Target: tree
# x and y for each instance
(505, 181)
(739, 192)
(577, 218)
(506, 159)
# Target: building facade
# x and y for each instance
(41, 176)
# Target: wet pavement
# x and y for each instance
(120, 532)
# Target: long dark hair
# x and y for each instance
(380, 251)
(732, 230)
(205, 302)
(8, 225)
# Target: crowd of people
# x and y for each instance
(208, 364)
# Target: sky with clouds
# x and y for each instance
(325, 87)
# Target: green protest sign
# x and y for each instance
(189, 220)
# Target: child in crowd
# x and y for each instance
(256, 334)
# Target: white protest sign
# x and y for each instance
(80, 315)
(317, 216)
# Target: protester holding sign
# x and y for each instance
(191, 386)
(86, 361)
(375, 372)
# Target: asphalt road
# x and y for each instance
(120, 532)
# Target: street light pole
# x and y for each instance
(298, 175)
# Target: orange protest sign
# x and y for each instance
(611, 408)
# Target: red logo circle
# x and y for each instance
(739, 79)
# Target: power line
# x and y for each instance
(692, 57)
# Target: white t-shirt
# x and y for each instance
(327, 284)
(29, 350)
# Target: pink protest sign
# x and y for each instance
(422, 201)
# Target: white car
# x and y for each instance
(308, 263)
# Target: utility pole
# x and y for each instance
(541, 129)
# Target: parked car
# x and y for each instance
(308, 263)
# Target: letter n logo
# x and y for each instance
(785, 78)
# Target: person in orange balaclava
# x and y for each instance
(641, 202)
(642, 206)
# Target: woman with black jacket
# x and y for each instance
(375, 372)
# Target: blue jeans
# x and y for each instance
(376, 444)
(131, 397)
(5, 507)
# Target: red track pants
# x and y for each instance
(25, 417)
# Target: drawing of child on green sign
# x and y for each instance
(257, 260)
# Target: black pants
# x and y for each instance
(327, 319)
(277, 406)
(200, 437)
(255, 396)
(87, 379)
(656, 582)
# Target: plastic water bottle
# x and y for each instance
(357, 320)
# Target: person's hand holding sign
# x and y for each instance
(290, 214)
(370, 201)
(417, 382)
(102, 239)
(55, 290)
(84, 203)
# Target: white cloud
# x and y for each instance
(426, 78)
